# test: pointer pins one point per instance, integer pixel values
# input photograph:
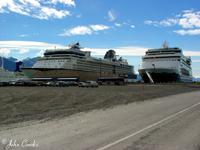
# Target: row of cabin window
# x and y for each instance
(163, 60)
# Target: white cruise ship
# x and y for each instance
(165, 65)
(74, 63)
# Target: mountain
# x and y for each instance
(12, 59)
(196, 79)
(29, 62)
(10, 63)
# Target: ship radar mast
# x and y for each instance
(165, 44)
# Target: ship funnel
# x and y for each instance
(110, 55)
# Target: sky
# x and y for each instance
(28, 27)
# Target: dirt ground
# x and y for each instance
(20, 104)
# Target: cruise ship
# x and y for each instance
(72, 62)
(165, 65)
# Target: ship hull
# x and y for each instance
(65, 73)
(160, 75)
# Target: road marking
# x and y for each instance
(148, 127)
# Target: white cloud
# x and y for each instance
(47, 13)
(112, 15)
(166, 23)
(127, 24)
(40, 53)
(34, 3)
(118, 24)
(99, 27)
(28, 44)
(150, 22)
(23, 51)
(196, 61)
(23, 35)
(25, 47)
(188, 21)
(133, 51)
(4, 51)
(123, 51)
(132, 26)
(36, 8)
(188, 32)
(191, 53)
(66, 2)
(79, 30)
(11, 6)
(84, 30)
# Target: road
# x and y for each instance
(169, 123)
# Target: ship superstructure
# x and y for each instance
(72, 62)
(165, 65)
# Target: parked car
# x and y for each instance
(82, 84)
(62, 83)
(12, 83)
(92, 83)
(51, 83)
(88, 84)
(72, 83)
(41, 83)
(19, 83)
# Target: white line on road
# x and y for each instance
(148, 127)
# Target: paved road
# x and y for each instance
(170, 123)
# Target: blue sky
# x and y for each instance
(27, 27)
